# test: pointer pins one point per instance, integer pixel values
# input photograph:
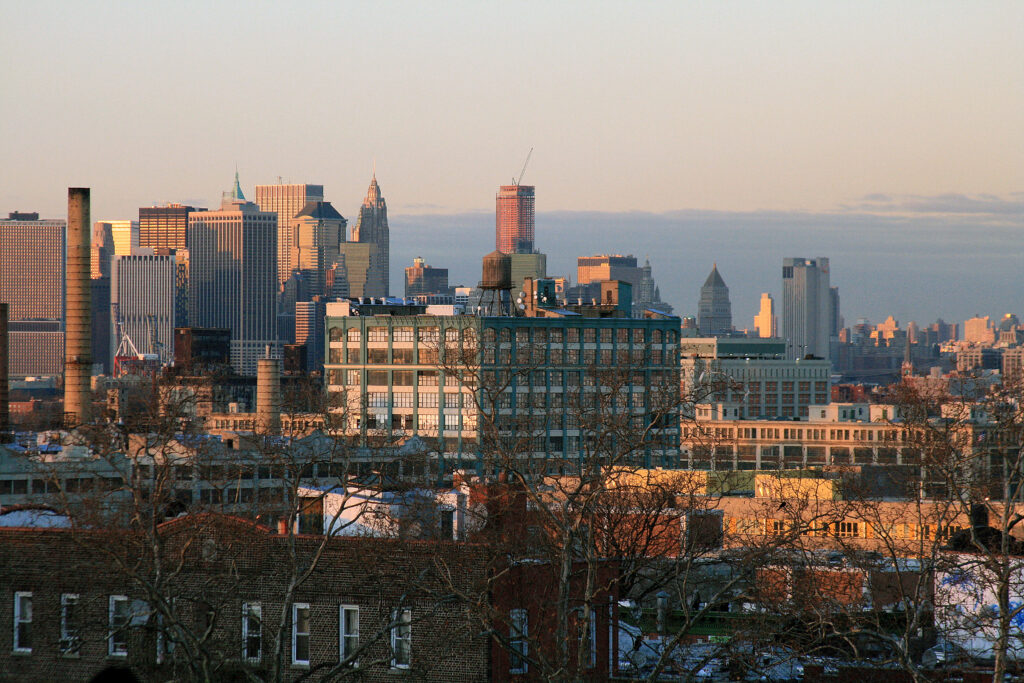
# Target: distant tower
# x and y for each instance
(422, 279)
(765, 322)
(908, 362)
(233, 281)
(164, 227)
(808, 318)
(32, 282)
(648, 294)
(319, 230)
(143, 289)
(714, 312)
(286, 201)
(513, 219)
(372, 228)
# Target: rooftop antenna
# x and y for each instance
(519, 182)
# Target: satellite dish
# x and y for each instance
(522, 306)
(522, 294)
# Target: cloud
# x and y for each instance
(950, 203)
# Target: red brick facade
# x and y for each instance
(214, 565)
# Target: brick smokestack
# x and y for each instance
(268, 395)
(4, 398)
(78, 311)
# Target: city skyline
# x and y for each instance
(755, 116)
(874, 244)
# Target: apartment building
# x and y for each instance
(398, 371)
(754, 374)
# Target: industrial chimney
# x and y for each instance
(78, 312)
(268, 395)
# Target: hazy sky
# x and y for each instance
(784, 107)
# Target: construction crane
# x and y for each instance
(127, 358)
(523, 172)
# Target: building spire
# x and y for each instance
(236, 193)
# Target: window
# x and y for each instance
(588, 635)
(348, 632)
(118, 618)
(23, 622)
(70, 640)
(252, 632)
(517, 640)
(354, 334)
(377, 334)
(300, 633)
(403, 334)
(848, 529)
(451, 400)
(427, 399)
(401, 638)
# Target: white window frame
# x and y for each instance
(401, 621)
(22, 619)
(164, 645)
(348, 641)
(296, 606)
(250, 611)
(70, 640)
(590, 634)
(114, 649)
(518, 640)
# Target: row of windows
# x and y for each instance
(121, 612)
(797, 434)
(538, 335)
(845, 529)
(118, 618)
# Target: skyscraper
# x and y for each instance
(318, 231)
(124, 233)
(714, 312)
(164, 227)
(102, 249)
(32, 284)
(143, 292)
(233, 283)
(648, 295)
(513, 219)
(807, 316)
(372, 228)
(423, 279)
(607, 267)
(286, 201)
(765, 322)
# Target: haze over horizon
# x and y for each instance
(886, 137)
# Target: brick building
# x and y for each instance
(71, 609)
